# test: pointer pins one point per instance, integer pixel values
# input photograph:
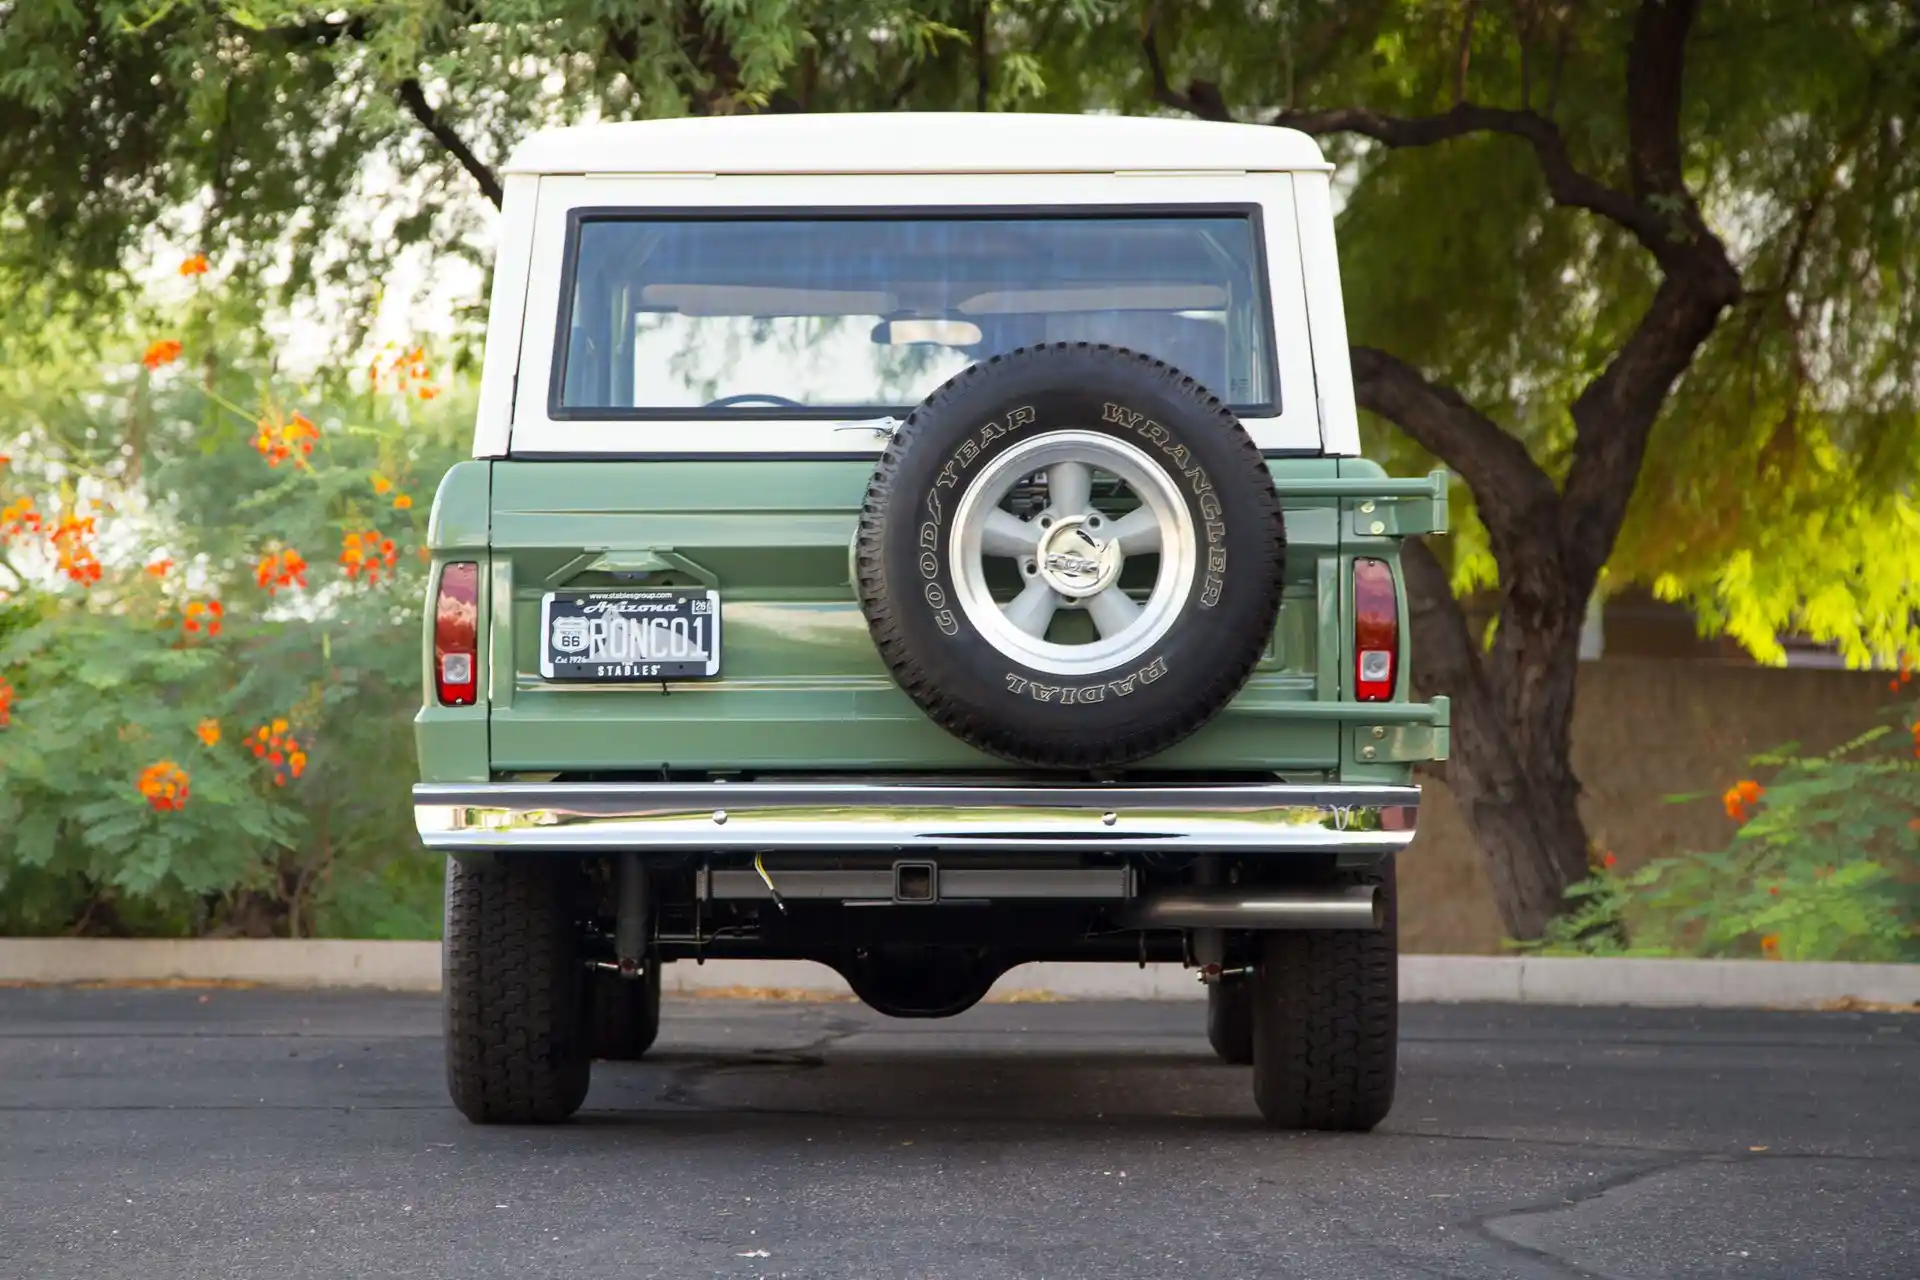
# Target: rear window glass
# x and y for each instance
(840, 316)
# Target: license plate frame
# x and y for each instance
(639, 652)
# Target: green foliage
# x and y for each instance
(266, 129)
(1777, 495)
(1825, 866)
(112, 678)
(306, 146)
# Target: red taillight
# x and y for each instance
(1376, 631)
(456, 635)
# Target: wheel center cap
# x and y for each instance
(1076, 561)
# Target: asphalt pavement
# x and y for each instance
(235, 1133)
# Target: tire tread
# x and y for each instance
(513, 998)
(626, 1014)
(1230, 1021)
(1326, 1025)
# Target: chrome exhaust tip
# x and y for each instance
(1359, 906)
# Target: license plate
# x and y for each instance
(630, 635)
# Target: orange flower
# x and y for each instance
(159, 568)
(164, 784)
(163, 352)
(1609, 860)
(405, 373)
(6, 703)
(402, 503)
(272, 743)
(74, 556)
(208, 732)
(1770, 946)
(381, 484)
(19, 517)
(367, 554)
(195, 265)
(276, 441)
(196, 615)
(279, 569)
(1740, 799)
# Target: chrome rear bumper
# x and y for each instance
(587, 817)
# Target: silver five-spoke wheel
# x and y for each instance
(1070, 553)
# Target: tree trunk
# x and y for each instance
(1510, 769)
(1523, 806)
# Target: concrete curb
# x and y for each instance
(415, 966)
(268, 962)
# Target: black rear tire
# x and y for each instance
(514, 992)
(1230, 1020)
(1326, 1024)
(626, 1014)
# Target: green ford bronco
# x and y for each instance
(920, 545)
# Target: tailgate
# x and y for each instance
(801, 685)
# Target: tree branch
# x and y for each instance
(1445, 660)
(1614, 414)
(1560, 48)
(1201, 99)
(1514, 497)
(415, 99)
(982, 58)
(1464, 57)
(1656, 61)
(1569, 186)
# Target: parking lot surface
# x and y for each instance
(182, 1133)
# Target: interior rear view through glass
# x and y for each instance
(821, 316)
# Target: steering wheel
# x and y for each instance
(750, 397)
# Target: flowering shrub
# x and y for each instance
(283, 568)
(162, 352)
(1824, 865)
(164, 785)
(162, 580)
(278, 441)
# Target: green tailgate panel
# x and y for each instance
(801, 684)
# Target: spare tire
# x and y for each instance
(1070, 556)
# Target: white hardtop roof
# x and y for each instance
(916, 142)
